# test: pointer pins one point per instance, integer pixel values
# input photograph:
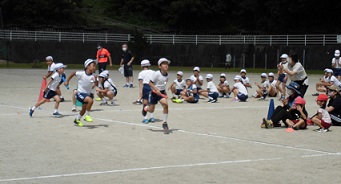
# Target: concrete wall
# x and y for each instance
(259, 56)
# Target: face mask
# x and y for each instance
(124, 49)
(330, 93)
(289, 92)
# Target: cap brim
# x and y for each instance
(298, 92)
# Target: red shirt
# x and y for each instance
(102, 55)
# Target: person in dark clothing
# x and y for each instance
(127, 59)
(334, 105)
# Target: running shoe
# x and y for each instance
(111, 104)
(267, 123)
(221, 96)
(315, 94)
(282, 98)
(165, 126)
(56, 114)
(78, 122)
(152, 120)
(131, 86)
(103, 103)
(62, 99)
(261, 99)
(178, 101)
(87, 118)
(126, 86)
(74, 109)
(213, 101)
(30, 112)
(98, 99)
(137, 102)
(323, 130)
(145, 121)
(210, 100)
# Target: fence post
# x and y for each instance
(305, 40)
(270, 40)
(35, 36)
(254, 40)
(244, 39)
(287, 40)
(196, 39)
(173, 39)
(219, 39)
(83, 37)
(60, 37)
(324, 40)
(106, 37)
(128, 37)
(150, 39)
(10, 35)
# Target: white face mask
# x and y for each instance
(330, 93)
(289, 92)
(124, 49)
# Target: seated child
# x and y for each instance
(178, 85)
(322, 118)
(106, 88)
(272, 91)
(239, 90)
(300, 121)
(211, 92)
(223, 87)
(263, 86)
(190, 94)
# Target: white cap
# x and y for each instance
(88, 61)
(163, 60)
(271, 74)
(328, 70)
(263, 75)
(104, 74)
(222, 75)
(180, 73)
(145, 62)
(196, 69)
(209, 76)
(237, 77)
(284, 56)
(49, 58)
(337, 53)
(189, 79)
(59, 65)
(242, 71)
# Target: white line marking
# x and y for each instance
(163, 167)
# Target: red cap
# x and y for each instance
(322, 97)
(300, 101)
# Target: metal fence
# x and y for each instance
(327, 39)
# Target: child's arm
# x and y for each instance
(319, 115)
(47, 85)
(48, 74)
(70, 77)
(105, 90)
(300, 109)
(258, 85)
(157, 91)
(170, 87)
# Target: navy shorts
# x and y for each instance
(81, 97)
(337, 72)
(49, 94)
(281, 78)
(146, 91)
(199, 88)
(213, 95)
(242, 97)
(154, 98)
(178, 91)
(196, 100)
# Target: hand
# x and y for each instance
(285, 102)
(110, 65)
(44, 77)
(157, 91)
(129, 63)
(280, 67)
(66, 83)
(299, 108)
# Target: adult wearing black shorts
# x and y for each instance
(127, 59)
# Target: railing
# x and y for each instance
(327, 39)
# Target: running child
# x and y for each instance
(223, 87)
(282, 76)
(106, 88)
(50, 90)
(239, 90)
(50, 71)
(197, 79)
(322, 118)
(263, 86)
(272, 91)
(86, 82)
(177, 86)
(144, 79)
(190, 94)
(211, 92)
(300, 121)
(244, 79)
(158, 84)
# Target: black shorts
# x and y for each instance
(128, 71)
(49, 94)
(102, 67)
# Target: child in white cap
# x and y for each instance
(282, 76)
(239, 90)
(211, 92)
(263, 86)
(190, 94)
(50, 90)
(197, 79)
(272, 90)
(50, 70)
(86, 82)
(223, 87)
(177, 86)
(244, 79)
(106, 88)
(336, 64)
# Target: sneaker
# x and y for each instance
(178, 101)
(295, 128)
(261, 99)
(98, 99)
(267, 123)
(30, 112)
(315, 94)
(131, 86)
(221, 96)
(56, 114)
(323, 130)
(145, 121)
(144, 112)
(282, 98)
(235, 100)
(165, 126)
(227, 96)
(78, 122)
(87, 118)
(103, 103)
(317, 130)
(210, 100)
(214, 101)
(111, 104)
(152, 120)
(137, 102)
(126, 86)
(262, 125)
(62, 99)
(74, 109)
(174, 98)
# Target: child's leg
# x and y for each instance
(56, 105)
(164, 104)
(226, 90)
(289, 123)
(205, 94)
(110, 95)
(278, 87)
(235, 93)
(317, 121)
(300, 124)
(189, 99)
(284, 90)
(42, 101)
(74, 97)
(272, 91)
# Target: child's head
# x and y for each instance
(326, 72)
(189, 81)
(209, 77)
(329, 73)
(333, 91)
(271, 76)
(196, 71)
(243, 72)
(284, 58)
(337, 54)
(299, 101)
(145, 64)
(49, 60)
(179, 75)
(163, 64)
(237, 78)
(222, 77)
(263, 77)
(90, 65)
(59, 67)
(321, 100)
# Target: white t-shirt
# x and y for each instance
(193, 78)
(337, 61)
(225, 83)
(159, 80)
(85, 82)
(334, 80)
(56, 78)
(211, 87)
(180, 85)
(326, 79)
(241, 88)
(299, 70)
(264, 84)
(273, 84)
(108, 84)
(246, 80)
(145, 76)
(285, 65)
(51, 68)
(325, 115)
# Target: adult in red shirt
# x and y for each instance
(102, 57)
